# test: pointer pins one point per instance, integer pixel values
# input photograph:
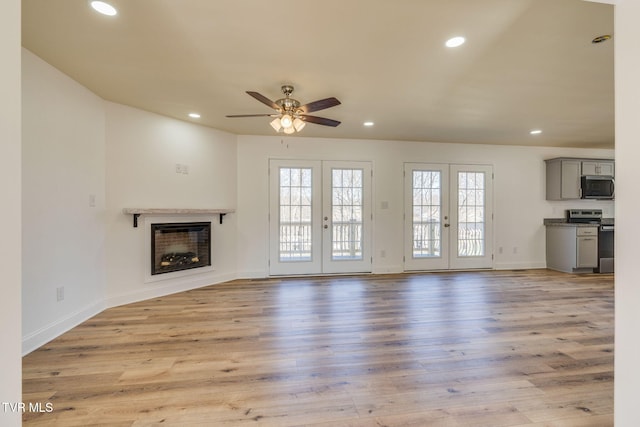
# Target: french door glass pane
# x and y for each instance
(426, 214)
(346, 207)
(471, 214)
(295, 238)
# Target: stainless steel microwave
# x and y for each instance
(597, 187)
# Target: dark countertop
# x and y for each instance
(562, 222)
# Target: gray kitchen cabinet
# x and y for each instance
(572, 248)
(586, 247)
(563, 179)
(597, 168)
(564, 174)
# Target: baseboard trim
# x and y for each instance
(388, 269)
(184, 284)
(34, 340)
(519, 265)
(256, 274)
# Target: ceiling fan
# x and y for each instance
(291, 116)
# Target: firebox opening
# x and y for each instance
(180, 246)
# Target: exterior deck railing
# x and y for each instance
(427, 239)
(296, 240)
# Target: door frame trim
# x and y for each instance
(317, 209)
(407, 215)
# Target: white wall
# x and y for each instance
(627, 285)
(519, 199)
(142, 152)
(63, 237)
(10, 214)
(79, 151)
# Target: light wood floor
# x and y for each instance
(506, 348)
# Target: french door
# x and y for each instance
(319, 217)
(448, 216)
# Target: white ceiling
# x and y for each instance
(526, 64)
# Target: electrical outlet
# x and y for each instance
(383, 254)
(60, 293)
(92, 200)
(178, 168)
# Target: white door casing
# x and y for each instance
(319, 217)
(347, 217)
(448, 216)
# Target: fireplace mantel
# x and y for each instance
(136, 212)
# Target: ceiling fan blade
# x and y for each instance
(319, 120)
(252, 115)
(319, 105)
(264, 100)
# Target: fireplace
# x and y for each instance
(180, 246)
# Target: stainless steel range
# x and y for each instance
(606, 230)
(584, 216)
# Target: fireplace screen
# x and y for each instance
(180, 246)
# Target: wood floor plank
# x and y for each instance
(494, 348)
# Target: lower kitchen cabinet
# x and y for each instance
(572, 248)
(586, 249)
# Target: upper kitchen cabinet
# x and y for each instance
(592, 167)
(563, 179)
(563, 175)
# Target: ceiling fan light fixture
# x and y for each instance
(298, 124)
(275, 123)
(291, 115)
(286, 121)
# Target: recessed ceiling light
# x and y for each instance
(104, 8)
(367, 124)
(194, 115)
(455, 42)
(535, 132)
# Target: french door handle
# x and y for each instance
(447, 225)
(326, 226)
